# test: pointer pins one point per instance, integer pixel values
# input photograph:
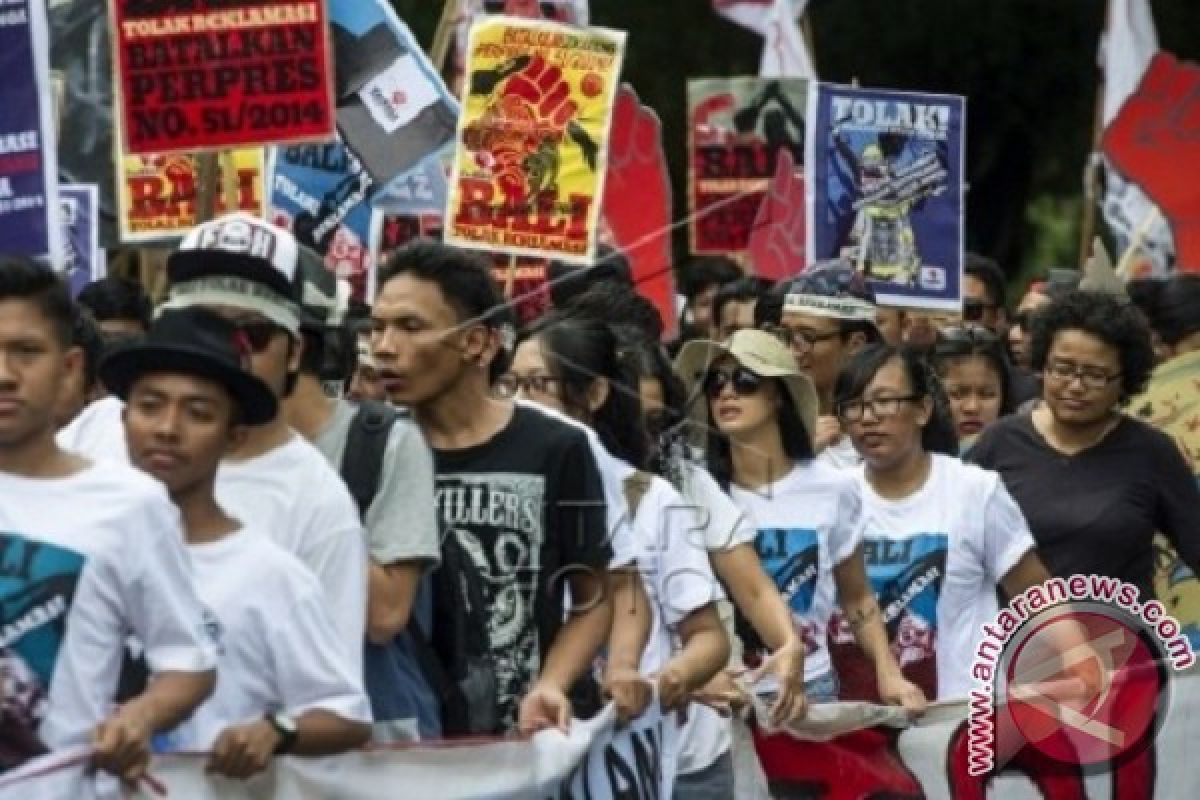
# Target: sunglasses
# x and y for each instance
(973, 310)
(257, 336)
(744, 382)
(967, 334)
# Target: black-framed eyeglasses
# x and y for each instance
(881, 407)
(744, 381)
(798, 339)
(1093, 378)
(257, 335)
(508, 384)
(973, 310)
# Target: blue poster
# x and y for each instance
(82, 261)
(393, 110)
(885, 190)
(28, 170)
(322, 193)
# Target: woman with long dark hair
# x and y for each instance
(938, 535)
(573, 364)
(973, 369)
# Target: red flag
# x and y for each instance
(637, 201)
(777, 246)
(1153, 139)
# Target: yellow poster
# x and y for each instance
(532, 139)
(157, 194)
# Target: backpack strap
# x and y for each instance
(362, 462)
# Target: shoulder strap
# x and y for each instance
(636, 486)
(362, 461)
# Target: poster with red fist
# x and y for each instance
(217, 74)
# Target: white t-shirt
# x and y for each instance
(807, 524)
(934, 559)
(97, 432)
(277, 648)
(725, 525)
(678, 578)
(841, 454)
(293, 494)
(84, 561)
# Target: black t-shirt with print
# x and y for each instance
(1097, 511)
(528, 506)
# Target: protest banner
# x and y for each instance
(528, 174)
(777, 241)
(390, 231)
(393, 110)
(157, 194)
(637, 202)
(884, 174)
(737, 127)
(1157, 130)
(211, 74)
(83, 260)
(421, 191)
(322, 193)
(28, 169)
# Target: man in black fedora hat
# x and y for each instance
(286, 685)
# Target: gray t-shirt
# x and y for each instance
(402, 519)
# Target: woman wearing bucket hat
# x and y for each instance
(755, 418)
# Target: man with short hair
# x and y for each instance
(120, 307)
(93, 552)
(700, 279)
(733, 307)
(248, 271)
(984, 294)
(519, 489)
(286, 686)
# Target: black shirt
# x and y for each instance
(525, 505)
(1097, 511)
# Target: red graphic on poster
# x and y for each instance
(214, 74)
(777, 245)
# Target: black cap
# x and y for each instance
(193, 341)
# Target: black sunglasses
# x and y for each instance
(744, 381)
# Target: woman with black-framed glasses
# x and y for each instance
(1093, 482)
(970, 363)
(938, 535)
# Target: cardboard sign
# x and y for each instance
(884, 174)
(1153, 141)
(737, 127)
(83, 261)
(533, 138)
(28, 172)
(637, 202)
(214, 74)
(156, 194)
(777, 242)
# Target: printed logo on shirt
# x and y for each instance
(37, 587)
(791, 557)
(499, 519)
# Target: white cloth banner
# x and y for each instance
(785, 53)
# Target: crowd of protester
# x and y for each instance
(428, 518)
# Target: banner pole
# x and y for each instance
(1088, 224)
(206, 186)
(510, 280)
(440, 48)
(229, 181)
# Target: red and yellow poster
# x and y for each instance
(157, 194)
(212, 74)
(529, 168)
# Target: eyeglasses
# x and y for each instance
(508, 384)
(744, 382)
(881, 407)
(257, 335)
(1092, 378)
(797, 338)
(973, 309)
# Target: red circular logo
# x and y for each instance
(1085, 687)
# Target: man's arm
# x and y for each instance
(632, 618)
(392, 589)
(705, 652)
(243, 751)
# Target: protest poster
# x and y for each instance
(83, 261)
(528, 174)
(156, 194)
(777, 241)
(884, 174)
(637, 202)
(737, 127)
(28, 168)
(1157, 130)
(570, 12)
(393, 110)
(322, 194)
(211, 74)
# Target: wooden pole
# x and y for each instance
(206, 187)
(229, 181)
(1088, 226)
(440, 48)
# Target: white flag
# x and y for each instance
(785, 53)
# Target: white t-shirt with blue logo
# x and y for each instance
(807, 524)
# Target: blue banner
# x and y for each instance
(885, 190)
(28, 171)
(82, 261)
